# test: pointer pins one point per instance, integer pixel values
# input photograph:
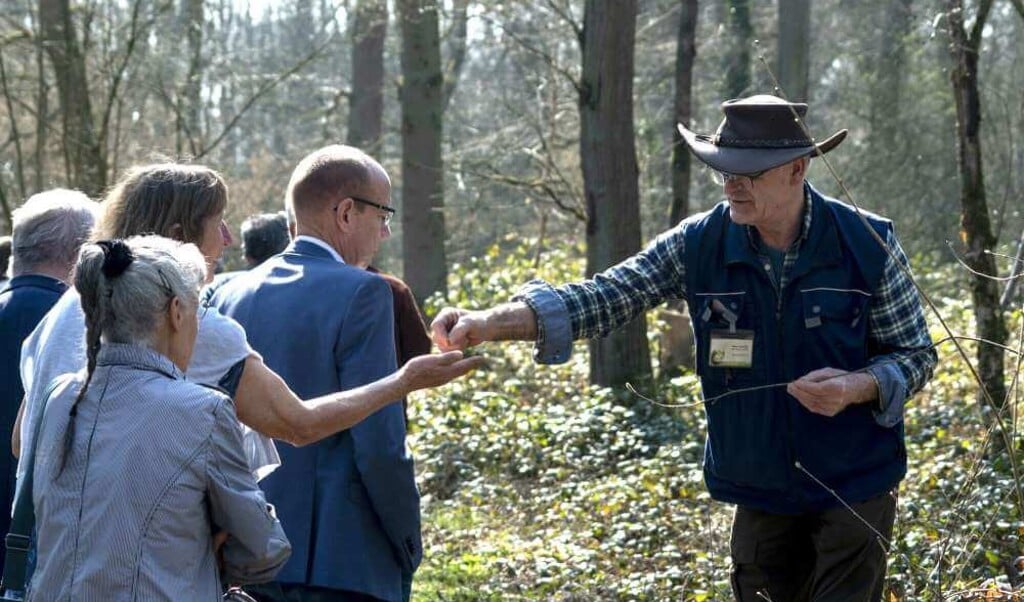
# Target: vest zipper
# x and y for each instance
(780, 349)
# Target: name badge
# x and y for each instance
(731, 349)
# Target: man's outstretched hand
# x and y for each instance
(455, 328)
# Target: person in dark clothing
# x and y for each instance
(411, 338)
(48, 231)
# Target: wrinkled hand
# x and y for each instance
(426, 371)
(455, 328)
(828, 391)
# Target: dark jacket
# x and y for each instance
(22, 305)
(820, 319)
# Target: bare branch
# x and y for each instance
(550, 60)
(566, 15)
(979, 24)
(135, 31)
(19, 168)
(265, 89)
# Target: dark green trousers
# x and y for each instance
(829, 556)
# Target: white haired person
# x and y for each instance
(48, 231)
(135, 466)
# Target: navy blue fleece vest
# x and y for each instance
(820, 319)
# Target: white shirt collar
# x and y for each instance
(321, 244)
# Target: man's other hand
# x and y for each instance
(828, 391)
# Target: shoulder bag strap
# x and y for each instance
(24, 518)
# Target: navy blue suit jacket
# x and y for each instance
(349, 503)
(22, 305)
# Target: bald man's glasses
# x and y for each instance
(389, 212)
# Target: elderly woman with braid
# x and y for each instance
(187, 203)
(134, 465)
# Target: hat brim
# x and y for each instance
(735, 160)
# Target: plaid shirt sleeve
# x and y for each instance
(897, 328)
(610, 299)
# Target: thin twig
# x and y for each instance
(956, 256)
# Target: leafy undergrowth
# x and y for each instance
(538, 486)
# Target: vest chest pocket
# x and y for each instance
(835, 325)
(726, 332)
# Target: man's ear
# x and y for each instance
(343, 214)
(798, 171)
(176, 314)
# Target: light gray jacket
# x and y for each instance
(130, 487)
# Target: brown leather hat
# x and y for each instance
(758, 133)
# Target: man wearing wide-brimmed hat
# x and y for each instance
(809, 340)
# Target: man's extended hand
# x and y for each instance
(434, 370)
(455, 328)
(828, 391)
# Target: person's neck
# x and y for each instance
(52, 270)
(781, 234)
(325, 237)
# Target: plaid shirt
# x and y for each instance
(595, 307)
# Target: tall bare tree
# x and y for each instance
(610, 171)
(190, 100)
(421, 95)
(456, 47)
(86, 162)
(889, 75)
(686, 54)
(366, 101)
(976, 228)
(737, 56)
(794, 48)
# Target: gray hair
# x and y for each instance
(49, 229)
(124, 287)
(126, 308)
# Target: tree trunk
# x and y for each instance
(456, 48)
(42, 110)
(189, 126)
(737, 57)
(85, 157)
(888, 86)
(976, 229)
(610, 171)
(686, 53)
(422, 209)
(794, 48)
(366, 102)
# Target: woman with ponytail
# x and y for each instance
(135, 466)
